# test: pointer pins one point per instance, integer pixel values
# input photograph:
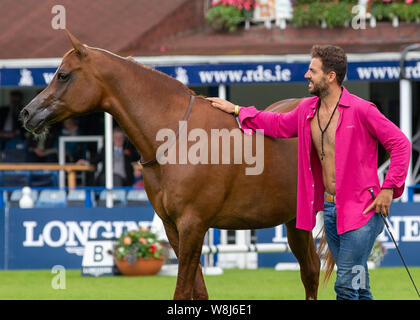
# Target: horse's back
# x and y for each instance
(284, 106)
(269, 198)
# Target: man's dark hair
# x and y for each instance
(333, 59)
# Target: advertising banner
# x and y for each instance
(233, 73)
(404, 221)
(40, 238)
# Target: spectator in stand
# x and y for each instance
(122, 158)
(10, 126)
(74, 150)
(138, 178)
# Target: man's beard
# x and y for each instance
(319, 89)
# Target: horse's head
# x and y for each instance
(74, 90)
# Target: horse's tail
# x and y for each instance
(324, 253)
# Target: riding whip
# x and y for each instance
(395, 243)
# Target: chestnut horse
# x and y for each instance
(188, 198)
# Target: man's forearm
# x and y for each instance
(276, 125)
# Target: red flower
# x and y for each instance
(153, 248)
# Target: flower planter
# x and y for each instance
(142, 266)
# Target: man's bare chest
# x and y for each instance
(328, 127)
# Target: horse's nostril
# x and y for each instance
(24, 114)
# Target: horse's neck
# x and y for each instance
(143, 102)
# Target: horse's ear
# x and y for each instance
(77, 45)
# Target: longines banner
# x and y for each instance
(42, 238)
(233, 73)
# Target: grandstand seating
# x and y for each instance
(43, 178)
(118, 196)
(136, 198)
(14, 151)
(76, 198)
(14, 155)
(17, 194)
(29, 178)
(47, 197)
(51, 198)
(15, 178)
(15, 144)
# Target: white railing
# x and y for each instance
(416, 146)
(62, 151)
(382, 170)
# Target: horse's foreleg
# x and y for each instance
(302, 245)
(199, 291)
(191, 238)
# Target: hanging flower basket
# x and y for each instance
(227, 15)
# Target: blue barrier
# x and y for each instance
(405, 224)
(40, 238)
(87, 202)
(410, 191)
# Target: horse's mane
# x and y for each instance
(183, 86)
(133, 62)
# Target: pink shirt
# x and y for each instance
(359, 128)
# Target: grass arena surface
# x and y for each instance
(234, 284)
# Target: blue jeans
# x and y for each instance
(350, 251)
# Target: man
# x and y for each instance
(123, 170)
(9, 118)
(338, 136)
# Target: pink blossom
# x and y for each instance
(240, 4)
(408, 1)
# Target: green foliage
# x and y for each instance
(233, 284)
(379, 11)
(308, 15)
(336, 14)
(224, 18)
(404, 12)
(302, 2)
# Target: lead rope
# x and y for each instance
(326, 127)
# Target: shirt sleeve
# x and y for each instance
(276, 125)
(396, 143)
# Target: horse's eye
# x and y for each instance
(62, 76)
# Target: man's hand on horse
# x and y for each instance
(382, 202)
(222, 104)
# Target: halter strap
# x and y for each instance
(154, 161)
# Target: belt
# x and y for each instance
(329, 197)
